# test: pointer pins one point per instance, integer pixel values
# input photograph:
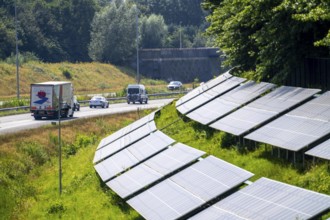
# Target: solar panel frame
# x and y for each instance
(153, 169)
(204, 87)
(321, 151)
(263, 110)
(228, 102)
(189, 189)
(122, 132)
(209, 95)
(268, 199)
(299, 128)
(133, 155)
(124, 141)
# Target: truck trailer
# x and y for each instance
(46, 96)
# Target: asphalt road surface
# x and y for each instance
(14, 123)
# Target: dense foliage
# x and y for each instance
(84, 30)
(270, 38)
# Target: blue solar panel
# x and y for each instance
(210, 94)
(228, 102)
(204, 87)
(298, 128)
(263, 109)
(268, 199)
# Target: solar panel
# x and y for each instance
(268, 199)
(133, 126)
(322, 150)
(204, 87)
(187, 190)
(210, 94)
(154, 169)
(263, 109)
(228, 102)
(132, 155)
(124, 141)
(298, 128)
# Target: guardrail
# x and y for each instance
(109, 99)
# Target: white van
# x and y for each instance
(136, 93)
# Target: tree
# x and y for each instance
(269, 37)
(153, 31)
(113, 34)
(7, 34)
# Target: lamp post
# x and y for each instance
(17, 62)
(59, 144)
(137, 47)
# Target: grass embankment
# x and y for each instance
(29, 167)
(29, 173)
(87, 78)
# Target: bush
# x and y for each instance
(67, 74)
(22, 58)
(35, 151)
(15, 103)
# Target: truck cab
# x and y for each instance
(136, 93)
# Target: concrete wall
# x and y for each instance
(184, 64)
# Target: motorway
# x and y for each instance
(14, 123)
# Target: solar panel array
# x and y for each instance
(124, 141)
(322, 150)
(154, 169)
(162, 181)
(268, 199)
(298, 128)
(263, 109)
(124, 131)
(189, 189)
(132, 155)
(204, 87)
(210, 94)
(228, 102)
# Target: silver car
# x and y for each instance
(174, 85)
(98, 101)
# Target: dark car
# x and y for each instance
(136, 93)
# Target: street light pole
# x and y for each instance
(17, 64)
(59, 140)
(137, 47)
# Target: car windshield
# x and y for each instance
(133, 91)
(96, 98)
(175, 83)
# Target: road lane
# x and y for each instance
(14, 123)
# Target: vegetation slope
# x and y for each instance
(29, 167)
(86, 77)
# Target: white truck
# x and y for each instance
(45, 98)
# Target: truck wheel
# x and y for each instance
(37, 117)
(133, 102)
(141, 101)
(128, 102)
(146, 101)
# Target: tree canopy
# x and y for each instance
(271, 37)
(65, 30)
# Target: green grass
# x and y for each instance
(29, 186)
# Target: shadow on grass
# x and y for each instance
(114, 199)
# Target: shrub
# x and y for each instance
(35, 151)
(67, 74)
